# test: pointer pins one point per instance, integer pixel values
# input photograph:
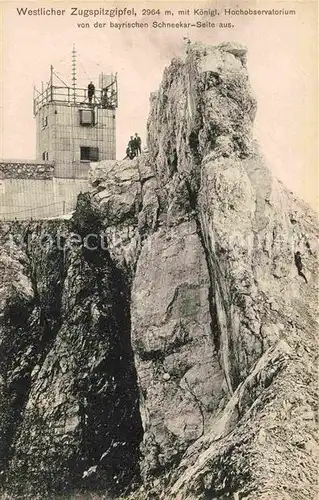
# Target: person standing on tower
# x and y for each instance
(105, 97)
(91, 91)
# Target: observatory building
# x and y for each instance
(74, 128)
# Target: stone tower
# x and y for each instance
(72, 129)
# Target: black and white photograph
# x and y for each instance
(159, 250)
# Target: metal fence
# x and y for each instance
(105, 98)
(51, 210)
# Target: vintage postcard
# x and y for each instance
(159, 250)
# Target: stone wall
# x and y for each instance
(30, 190)
(25, 170)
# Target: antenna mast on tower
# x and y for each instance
(74, 72)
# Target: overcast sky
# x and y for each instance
(282, 63)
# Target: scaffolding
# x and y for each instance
(104, 98)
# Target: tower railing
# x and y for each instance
(106, 98)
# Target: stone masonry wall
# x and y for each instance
(25, 170)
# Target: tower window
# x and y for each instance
(89, 154)
(86, 116)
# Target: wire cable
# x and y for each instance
(30, 209)
(55, 73)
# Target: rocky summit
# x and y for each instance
(161, 343)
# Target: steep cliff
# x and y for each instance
(176, 358)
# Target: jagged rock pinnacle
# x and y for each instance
(177, 362)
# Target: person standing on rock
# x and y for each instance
(187, 43)
(138, 144)
(131, 149)
(299, 266)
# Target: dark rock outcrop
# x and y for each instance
(70, 400)
(190, 318)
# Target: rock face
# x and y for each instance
(70, 416)
(177, 357)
